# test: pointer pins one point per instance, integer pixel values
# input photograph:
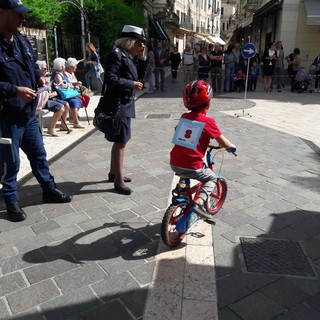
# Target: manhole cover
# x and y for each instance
(272, 256)
(158, 116)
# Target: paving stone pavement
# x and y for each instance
(100, 257)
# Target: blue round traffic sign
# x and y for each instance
(249, 50)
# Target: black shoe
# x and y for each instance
(126, 191)
(56, 196)
(15, 212)
(112, 178)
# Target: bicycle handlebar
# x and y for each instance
(230, 150)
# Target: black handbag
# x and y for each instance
(107, 122)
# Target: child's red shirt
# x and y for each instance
(193, 159)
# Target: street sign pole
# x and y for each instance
(248, 51)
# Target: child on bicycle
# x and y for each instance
(192, 137)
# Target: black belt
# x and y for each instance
(188, 64)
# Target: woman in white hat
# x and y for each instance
(120, 83)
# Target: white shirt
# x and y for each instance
(188, 57)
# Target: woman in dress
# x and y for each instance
(121, 81)
(175, 60)
(269, 59)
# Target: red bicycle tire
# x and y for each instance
(170, 236)
(217, 197)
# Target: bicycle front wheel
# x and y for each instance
(217, 196)
(169, 234)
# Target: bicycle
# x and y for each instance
(179, 217)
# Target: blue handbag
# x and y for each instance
(65, 93)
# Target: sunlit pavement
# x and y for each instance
(100, 256)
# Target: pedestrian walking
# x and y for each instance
(19, 81)
(188, 60)
(150, 69)
(121, 80)
(160, 58)
(175, 60)
(92, 62)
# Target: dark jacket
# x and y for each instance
(17, 71)
(159, 55)
(120, 74)
(175, 59)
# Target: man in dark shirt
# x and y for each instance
(19, 78)
(216, 57)
(160, 57)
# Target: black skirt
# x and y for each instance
(125, 133)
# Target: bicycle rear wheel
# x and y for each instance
(169, 234)
(217, 196)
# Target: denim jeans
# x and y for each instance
(149, 79)
(25, 134)
(159, 72)
(228, 80)
(92, 72)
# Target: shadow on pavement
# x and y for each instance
(124, 305)
(280, 282)
(125, 241)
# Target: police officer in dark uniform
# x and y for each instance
(19, 78)
(121, 81)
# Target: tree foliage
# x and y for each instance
(106, 20)
(45, 13)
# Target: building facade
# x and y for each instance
(194, 21)
(294, 22)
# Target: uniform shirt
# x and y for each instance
(193, 159)
(18, 68)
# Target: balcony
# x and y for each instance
(186, 25)
(251, 4)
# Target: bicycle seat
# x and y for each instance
(181, 176)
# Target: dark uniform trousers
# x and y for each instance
(25, 133)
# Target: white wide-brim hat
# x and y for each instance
(133, 32)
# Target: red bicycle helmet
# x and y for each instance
(197, 94)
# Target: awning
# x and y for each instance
(216, 39)
(156, 31)
(199, 37)
(313, 12)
